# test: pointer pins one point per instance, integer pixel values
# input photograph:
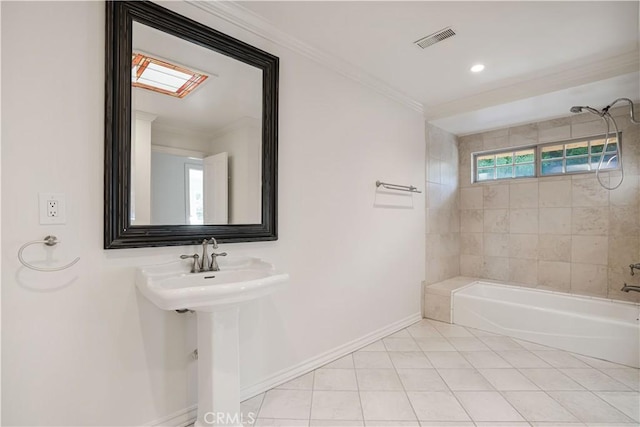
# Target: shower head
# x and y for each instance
(580, 109)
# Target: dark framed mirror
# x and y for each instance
(191, 132)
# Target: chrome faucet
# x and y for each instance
(634, 267)
(202, 264)
(627, 288)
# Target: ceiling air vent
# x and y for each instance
(434, 38)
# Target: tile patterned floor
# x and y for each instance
(436, 374)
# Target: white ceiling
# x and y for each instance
(533, 51)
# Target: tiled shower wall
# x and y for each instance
(442, 213)
(561, 233)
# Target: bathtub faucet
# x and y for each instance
(627, 288)
(634, 267)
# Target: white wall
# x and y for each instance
(82, 347)
(243, 145)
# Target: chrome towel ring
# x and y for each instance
(49, 241)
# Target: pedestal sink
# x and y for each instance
(216, 297)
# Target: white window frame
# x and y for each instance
(537, 161)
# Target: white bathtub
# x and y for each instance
(596, 327)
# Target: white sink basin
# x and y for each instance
(171, 287)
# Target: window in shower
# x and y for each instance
(578, 156)
(557, 158)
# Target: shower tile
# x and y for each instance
(523, 195)
(471, 220)
(623, 220)
(555, 221)
(588, 407)
(590, 249)
(471, 243)
(523, 221)
(336, 405)
(496, 221)
(594, 380)
(507, 379)
(593, 127)
(471, 198)
(589, 279)
(437, 406)
(487, 406)
(628, 193)
(554, 248)
(409, 360)
(592, 221)
(524, 271)
(538, 406)
(554, 275)
(421, 380)
(554, 130)
(587, 192)
(496, 268)
(496, 196)
(524, 246)
(551, 379)
(554, 194)
(496, 244)
(471, 265)
(523, 135)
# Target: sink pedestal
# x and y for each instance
(218, 368)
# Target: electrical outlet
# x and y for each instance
(52, 208)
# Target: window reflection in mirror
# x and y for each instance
(196, 135)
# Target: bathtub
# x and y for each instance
(595, 327)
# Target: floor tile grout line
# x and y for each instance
(313, 386)
(404, 389)
(359, 395)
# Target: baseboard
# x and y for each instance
(188, 416)
(309, 365)
(181, 418)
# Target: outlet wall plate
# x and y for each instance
(52, 208)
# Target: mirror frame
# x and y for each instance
(118, 231)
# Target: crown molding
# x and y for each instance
(576, 73)
(249, 21)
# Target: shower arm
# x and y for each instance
(632, 113)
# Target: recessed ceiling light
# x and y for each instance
(477, 68)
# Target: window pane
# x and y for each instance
(577, 164)
(504, 159)
(485, 174)
(486, 161)
(552, 152)
(597, 145)
(610, 161)
(504, 172)
(550, 167)
(577, 149)
(524, 156)
(525, 170)
(612, 147)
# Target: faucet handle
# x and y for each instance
(194, 267)
(634, 267)
(213, 266)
